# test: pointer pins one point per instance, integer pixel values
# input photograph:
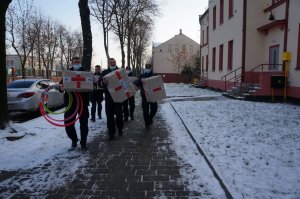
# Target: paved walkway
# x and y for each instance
(140, 164)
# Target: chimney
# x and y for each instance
(180, 31)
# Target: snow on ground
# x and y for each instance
(44, 148)
(254, 147)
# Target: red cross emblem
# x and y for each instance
(78, 79)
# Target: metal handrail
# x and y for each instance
(239, 76)
(225, 77)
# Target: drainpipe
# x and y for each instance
(286, 63)
(286, 25)
(244, 39)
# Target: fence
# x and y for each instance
(16, 73)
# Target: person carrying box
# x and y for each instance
(149, 108)
(112, 108)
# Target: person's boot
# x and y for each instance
(73, 146)
(120, 132)
(93, 119)
(83, 144)
(111, 137)
(151, 121)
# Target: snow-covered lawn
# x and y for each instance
(253, 146)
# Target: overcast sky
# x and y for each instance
(175, 15)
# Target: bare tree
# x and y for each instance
(22, 33)
(178, 58)
(86, 33)
(137, 9)
(119, 24)
(48, 43)
(38, 25)
(127, 13)
(4, 117)
(70, 45)
(102, 10)
(140, 40)
(63, 46)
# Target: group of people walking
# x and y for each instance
(116, 113)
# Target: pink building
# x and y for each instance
(252, 48)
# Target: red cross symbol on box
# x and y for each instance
(122, 85)
(157, 89)
(78, 79)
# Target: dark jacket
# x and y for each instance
(139, 83)
(98, 89)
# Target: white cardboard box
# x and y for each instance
(119, 85)
(154, 88)
(81, 81)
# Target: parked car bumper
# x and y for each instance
(26, 106)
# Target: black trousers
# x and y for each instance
(71, 131)
(149, 110)
(113, 109)
(131, 102)
(96, 101)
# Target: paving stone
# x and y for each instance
(140, 164)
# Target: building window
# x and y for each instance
(221, 11)
(160, 50)
(202, 38)
(206, 63)
(214, 17)
(169, 48)
(230, 55)
(230, 8)
(207, 34)
(213, 59)
(298, 53)
(183, 48)
(221, 57)
(202, 62)
(191, 49)
(176, 48)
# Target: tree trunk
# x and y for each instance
(123, 54)
(86, 33)
(4, 117)
(128, 48)
(105, 40)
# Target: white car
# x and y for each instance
(25, 95)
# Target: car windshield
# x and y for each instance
(20, 84)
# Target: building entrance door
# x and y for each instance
(274, 58)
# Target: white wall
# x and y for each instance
(256, 47)
(231, 29)
(292, 43)
(161, 54)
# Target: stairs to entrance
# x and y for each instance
(244, 85)
(242, 91)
